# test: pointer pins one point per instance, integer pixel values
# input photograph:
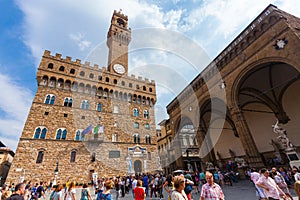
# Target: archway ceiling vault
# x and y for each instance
(266, 84)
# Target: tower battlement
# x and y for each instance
(77, 64)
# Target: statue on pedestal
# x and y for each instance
(282, 136)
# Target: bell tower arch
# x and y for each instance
(118, 39)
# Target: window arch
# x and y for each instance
(72, 71)
(50, 66)
(147, 126)
(61, 134)
(61, 68)
(115, 81)
(146, 114)
(136, 138)
(82, 73)
(135, 112)
(148, 139)
(85, 104)
(136, 125)
(79, 136)
(40, 132)
(73, 156)
(107, 79)
(91, 75)
(116, 109)
(50, 99)
(115, 137)
(40, 157)
(68, 102)
(99, 107)
(99, 78)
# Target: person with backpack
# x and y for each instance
(85, 193)
(106, 195)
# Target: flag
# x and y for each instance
(88, 130)
(101, 129)
(96, 129)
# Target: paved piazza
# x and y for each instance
(241, 190)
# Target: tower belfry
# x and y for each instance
(118, 39)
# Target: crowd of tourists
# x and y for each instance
(269, 184)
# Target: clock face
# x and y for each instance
(120, 69)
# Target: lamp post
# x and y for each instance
(55, 174)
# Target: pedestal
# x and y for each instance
(293, 158)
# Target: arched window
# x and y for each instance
(147, 126)
(82, 73)
(107, 79)
(115, 137)
(115, 81)
(136, 125)
(40, 132)
(40, 156)
(146, 114)
(123, 83)
(50, 66)
(93, 157)
(144, 88)
(150, 89)
(116, 109)
(100, 78)
(61, 134)
(130, 85)
(44, 132)
(73, 156)
(91, 75)
(52, 100)
(136, 138)
(148, 139)
(137, 86)
(72, 71)
(99, 107)
(68, 102)
(61, 68)
(135, 112)
(85, 104)
(79, 136)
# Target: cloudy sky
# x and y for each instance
(78, 29)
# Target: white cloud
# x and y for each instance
(79, 39)
(14, 106)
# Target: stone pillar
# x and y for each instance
(206, 151)
(252, 154)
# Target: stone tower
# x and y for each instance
(87, 122)
(118, 38)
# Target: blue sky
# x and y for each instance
(77, 28)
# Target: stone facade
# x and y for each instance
(88, 120)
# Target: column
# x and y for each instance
(253, 156)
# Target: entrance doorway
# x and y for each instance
(137, 166)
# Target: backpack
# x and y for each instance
(101, 196)
(188, 189)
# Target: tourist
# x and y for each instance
(85, 193)
(106, 195)
(271, 189)
(139, 191)
(168, 185)
(254, 176)
(18, 193)
(296, 174)
(70, 192)
(146, 184)
(297, 188)
(5, 192)
(40, 191)
(179, 185)
(211, 190)
(279, 180)
(58, 193)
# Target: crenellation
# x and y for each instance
(58, 56)
(140, 78)
(96, 66)
(132, 76)
(47, 53)
(68, 59)
(103, 69)
(87, 64)
(78, 61)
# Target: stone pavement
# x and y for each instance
(241, 190)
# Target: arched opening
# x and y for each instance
(137, 166)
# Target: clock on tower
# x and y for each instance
(118, 39)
